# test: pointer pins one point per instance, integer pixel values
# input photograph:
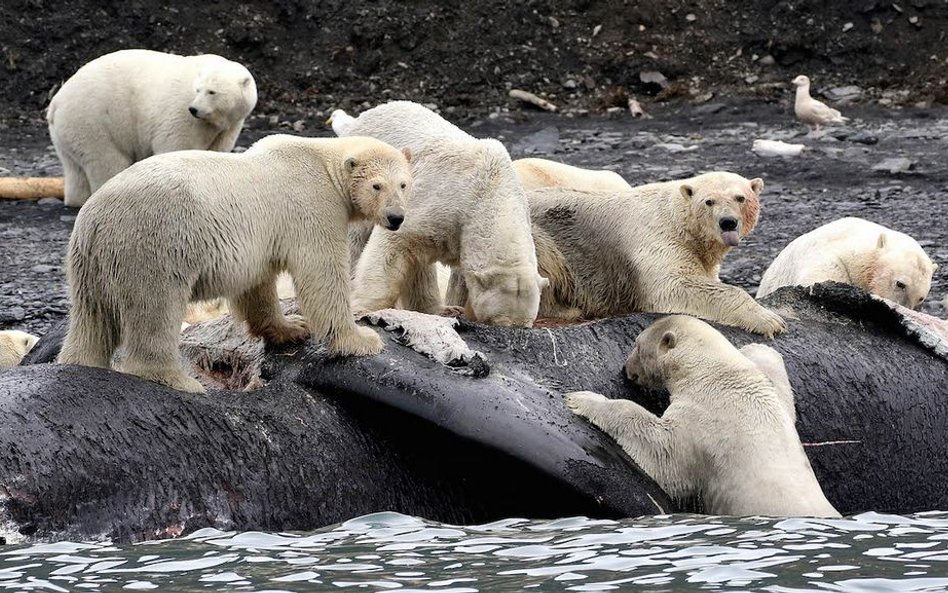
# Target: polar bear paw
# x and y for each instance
(768, 324)
(293, 330)
(363, 341)
(579, 402)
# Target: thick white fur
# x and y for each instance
(538, 173)
(14, 345)
(653, 249)
(858, 252)
(128, 105)
(728, 435)
(468, 211)
(195, 225)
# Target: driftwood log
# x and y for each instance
(31, 188)
(479, 434)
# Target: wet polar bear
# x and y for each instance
(728, 435)
(195, 225)
(538, 173)
(859, 252)
(657, 248)
(131, 104)
(468, 211)
(14, 345)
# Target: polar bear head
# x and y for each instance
(14, 345)
(900, 273)
(722, 207)
(665, 350)
(224, 94)
(380, 182)
(505, 296)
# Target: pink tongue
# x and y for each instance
(731, 238)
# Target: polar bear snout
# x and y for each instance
(194, 112)
(394, 217)
(728, 223)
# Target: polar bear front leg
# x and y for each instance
(716, 301)
(321, 278)
(380, 273)
(420, 291)
(260, 308)
(645, 437)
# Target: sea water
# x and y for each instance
(870, 552)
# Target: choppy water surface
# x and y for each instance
(386, 551)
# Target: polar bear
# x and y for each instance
(195, 225)
(538, 173)
(468, 211)
(855, 251)
(128, 105)
(657, 248)
(14, 345)
(728, 435)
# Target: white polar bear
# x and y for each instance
(128, 105)
(538, 173)
(728, 435)
(195, 225)
(468, 211)
(657, 248)
(14, 345)
(859, 252)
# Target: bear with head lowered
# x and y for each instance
(728, 435)
(468, 211)
(195, 225)
(131, 104)
(537, 173)
(14, 345)
(855, 251)
(657, 248)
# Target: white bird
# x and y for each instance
(340, 121)
(773, 148)
(809, 110)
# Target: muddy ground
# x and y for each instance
(837, 176)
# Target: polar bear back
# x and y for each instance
(536, 173)
(208, 212)
(405, 124)
(834, 251)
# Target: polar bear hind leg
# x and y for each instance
(93, 335)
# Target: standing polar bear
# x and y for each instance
(538, 173)
(468, 211)
(728, 435)
(859, 252)
(657, 248)
(128, 105)
(195, 225)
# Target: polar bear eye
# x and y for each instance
(404, 185)
(211, 92)
(900, 284)
(739, 199)
(377, 186)
(709, 202)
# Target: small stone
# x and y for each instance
(13, 314)
(42, 269)
(273, 120)
(690, 18)
(843, 93)
(653, 77)
(864, 138)
(50, 202)
(298, 126)
(751, 79)
(847, 27)
(570, 84)
(876, 26)
(68, 218)
(554, 23)
(895, 165)
(767, 60)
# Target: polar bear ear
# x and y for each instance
(407, 152)
(757, 184)
(669, 341)
(544, 282)
(687, 191)
(246, 81)
(880, 244)
(351, 164)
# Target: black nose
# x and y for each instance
(395, 221)
(728, 224)
(193, 111)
